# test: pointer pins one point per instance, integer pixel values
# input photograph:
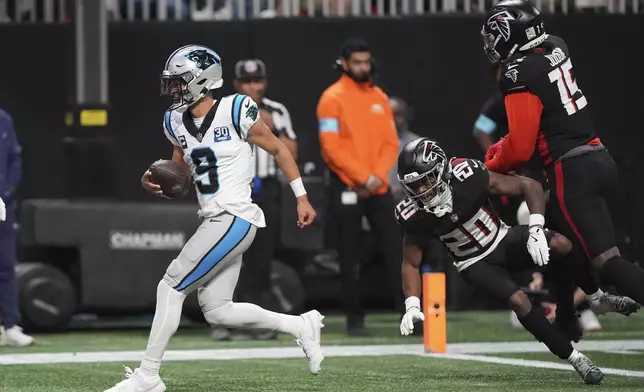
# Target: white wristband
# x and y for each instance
(298, 187)
(412, 302)
(536, 220)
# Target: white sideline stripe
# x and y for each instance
(220, 354)
(294, 352)
(532, 363)
(623, 352)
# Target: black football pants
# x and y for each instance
(578, 188)
(347, 219)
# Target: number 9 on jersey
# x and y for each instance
(206, 170)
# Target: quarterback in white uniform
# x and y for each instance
(213, 139)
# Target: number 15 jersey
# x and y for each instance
(473, 230)
(219, 156)
(547, 72)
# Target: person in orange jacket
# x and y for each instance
(360, 146)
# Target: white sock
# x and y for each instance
(575, 354)
(595, 296)
(249, 316)
(166, 321)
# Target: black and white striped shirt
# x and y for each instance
(265, 165)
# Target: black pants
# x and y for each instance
(9, 312)
(255, 276)
(577, 204)
(491, 275)
(347, 219)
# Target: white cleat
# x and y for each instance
(137, 382)
(309, 339)
(15, 337)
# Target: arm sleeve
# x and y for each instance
(328, 113)
(524, 118)
(248, 114)
(389, 147)
(167, 129)
(484, 124)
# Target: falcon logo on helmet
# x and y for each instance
(501, 22)
(421, 171)
(428, 153)
(511, 26)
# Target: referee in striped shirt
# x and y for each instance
(254, 280)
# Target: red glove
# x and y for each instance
(493, 150)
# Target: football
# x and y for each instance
(173, 178)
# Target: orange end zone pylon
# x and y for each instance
(435, 325)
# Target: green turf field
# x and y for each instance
(386, 374)
(339, 373)
(462, 327)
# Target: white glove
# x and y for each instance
(537, 243)
(3, 211)
(412, 315)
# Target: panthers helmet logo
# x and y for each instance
(202, 58)
(501, 22)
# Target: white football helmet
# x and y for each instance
(190, 72)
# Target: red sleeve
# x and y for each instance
(524, 118)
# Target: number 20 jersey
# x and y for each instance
(548, 73)
(473, 230)
(219, 156)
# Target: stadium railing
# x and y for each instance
(59, 11)
(250, 9)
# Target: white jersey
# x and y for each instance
(220, 158)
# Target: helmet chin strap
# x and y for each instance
(441, 204)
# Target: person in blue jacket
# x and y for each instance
(10, 172)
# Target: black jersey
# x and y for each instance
(547, 72)
(473, 229)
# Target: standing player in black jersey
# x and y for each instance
(448, 200)
(547, 109)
